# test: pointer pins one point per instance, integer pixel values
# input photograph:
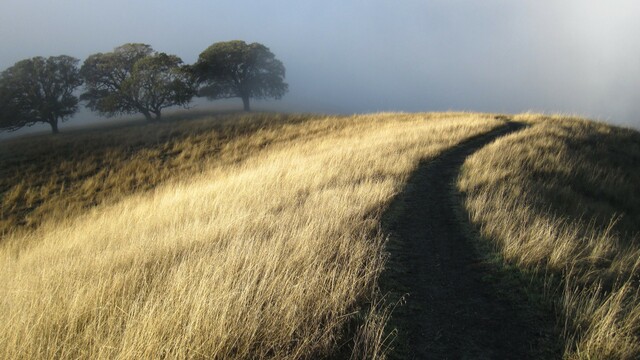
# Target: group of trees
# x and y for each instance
(134, 78)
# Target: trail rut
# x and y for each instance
(456, 305)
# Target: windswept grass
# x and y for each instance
(562, 199)
(261, 252)
(51, 178)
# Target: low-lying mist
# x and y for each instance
(573, 57)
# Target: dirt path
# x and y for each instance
(458, 306)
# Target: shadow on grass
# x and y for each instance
(458, 300)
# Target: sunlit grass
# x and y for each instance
(562, 198)
(264, 245)
(45, 177)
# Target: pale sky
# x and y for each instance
(569, 56)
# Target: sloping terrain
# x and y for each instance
(272, 254)
(560, 200)
(456, 305)
(57, 177)
(265, 236)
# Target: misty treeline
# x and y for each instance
(135, 79)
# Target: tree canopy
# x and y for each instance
(134, 78)
(237, 69)
(39, 90)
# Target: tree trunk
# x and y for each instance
(54, 126)
(245, 102)
(147, 115)
(158, 115)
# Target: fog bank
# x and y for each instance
(576, 57)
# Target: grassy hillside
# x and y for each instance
(561, 199)
(55, 177)
(235, 237)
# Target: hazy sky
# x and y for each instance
(569, 56)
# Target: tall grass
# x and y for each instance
(48, 178)
(561, 198)
(274, 256)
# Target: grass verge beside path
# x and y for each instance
(561, 200)
(457, 303)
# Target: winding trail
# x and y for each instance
(457, 306)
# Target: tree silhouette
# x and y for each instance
(237, 69)
(39, 90)
(133, 78)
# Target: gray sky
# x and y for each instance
(571, 56)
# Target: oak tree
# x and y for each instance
(134, 78)
(236, 69)
(39, 90)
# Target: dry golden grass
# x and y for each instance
(49, 178)
(274, 256)
(561, 198)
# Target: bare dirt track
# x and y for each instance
(458, 305)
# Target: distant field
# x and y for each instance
(225, 237)
(561, 199)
